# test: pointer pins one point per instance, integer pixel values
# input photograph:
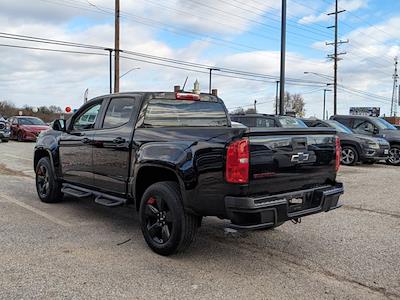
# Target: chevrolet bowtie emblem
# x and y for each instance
(300, 157)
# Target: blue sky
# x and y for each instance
(224, 33)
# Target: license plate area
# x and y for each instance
(303, 202)
(296, 203)
(386, 151)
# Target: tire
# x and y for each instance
(4, 140)
(20, 136)
(47, 186)
(166, 226)
(349, 156)
(394, 155)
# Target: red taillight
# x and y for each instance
(237, 162)
(338, 153)
(187, 96)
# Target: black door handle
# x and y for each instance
(119, 140)
(85, 140)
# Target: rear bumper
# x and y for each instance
(266, 211)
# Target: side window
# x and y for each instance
(364, 127)
(319, 124)
(345, 121)
(119, 112)
(357, 123)
(87, 118)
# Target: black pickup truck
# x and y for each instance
(176, 158)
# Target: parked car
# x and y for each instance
(4, 129)
(355, 147)
(265, 121)
(24, 128)
(375, 127)
(176, 158)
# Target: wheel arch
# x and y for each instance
(41, 153)
(150, 174)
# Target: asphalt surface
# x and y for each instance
(79, 250)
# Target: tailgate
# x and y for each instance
(283, 160)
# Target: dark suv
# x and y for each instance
(265, 121)
(355, 147)
(375, 127)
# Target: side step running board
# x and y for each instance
(75, 193)
(101, 198)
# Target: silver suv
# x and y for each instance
(4, 130)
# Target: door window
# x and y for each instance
(345, 121)
(365, 128)
(119, 112)
(87, 118)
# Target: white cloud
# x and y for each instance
(42, 78)
(348, 5)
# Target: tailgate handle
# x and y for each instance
(299, 143)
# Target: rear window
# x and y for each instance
(289, 122)
(185, 113)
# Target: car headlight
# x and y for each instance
(370, 144)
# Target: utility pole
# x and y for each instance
(336, 55)
(210, 78)
(110, 67)
(283, 60)
(276, 97)
(325, 90)
(116, 47)
(255, 106)
(393, 108)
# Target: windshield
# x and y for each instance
(166, 112)
(30, 121)
(339, 127)
(383, 124)
(289, 122)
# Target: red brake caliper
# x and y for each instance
(151, 201)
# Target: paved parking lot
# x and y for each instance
(77, 249)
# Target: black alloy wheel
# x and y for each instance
(42, 181)
(166, 226)
(47, 187)
(158, 220)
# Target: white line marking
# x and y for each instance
(18, 157)
(37, 211)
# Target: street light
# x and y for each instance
(209, 84)
(137, 68)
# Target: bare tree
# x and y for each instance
(294, 103)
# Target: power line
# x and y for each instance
(52, 50)
(153, 57)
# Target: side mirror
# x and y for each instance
(59, 125)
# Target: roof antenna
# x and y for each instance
(183, 88)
